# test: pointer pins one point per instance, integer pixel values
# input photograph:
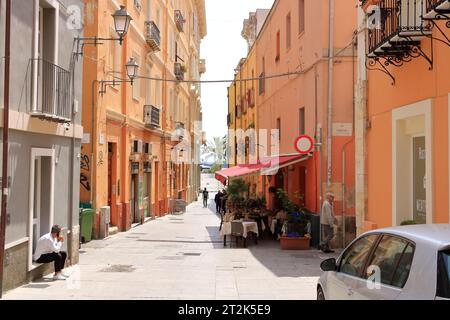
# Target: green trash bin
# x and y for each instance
(86, 224)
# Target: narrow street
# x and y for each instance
(182, 257)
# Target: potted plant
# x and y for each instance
(296, 228)
(236, 200)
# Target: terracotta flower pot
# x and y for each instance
(287, 243)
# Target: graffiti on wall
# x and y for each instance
(85, 166)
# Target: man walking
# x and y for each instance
(327, 220)
(205, 198)
(218, 201)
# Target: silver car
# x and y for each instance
(408, 262)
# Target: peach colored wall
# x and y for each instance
(284, 96)
(414, 82)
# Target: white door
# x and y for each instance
(37, 201)
(351, 269)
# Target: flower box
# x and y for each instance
(295, 243)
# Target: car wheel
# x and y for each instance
(320, 295)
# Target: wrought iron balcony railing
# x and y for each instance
(400, 27)
(438, 9)
(153, 35)
(179, 71)
(179, 20)
(202, 66)
(51, 95)
(152, 116)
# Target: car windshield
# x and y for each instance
(443, 285)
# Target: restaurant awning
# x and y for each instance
(268, 166)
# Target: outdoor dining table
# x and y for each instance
(249, 226)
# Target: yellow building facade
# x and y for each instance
(132, 161)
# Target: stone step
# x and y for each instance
(113, 231)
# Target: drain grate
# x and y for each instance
(192, 254)
(118, 268)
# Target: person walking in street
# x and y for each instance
(218, 201)
(48, 249)
(205, 198)
(224, 199)
(327, 220)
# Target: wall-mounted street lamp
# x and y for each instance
(122, 22)
(132, 71)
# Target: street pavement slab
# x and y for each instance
(181, 257)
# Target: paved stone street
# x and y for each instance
(182, 257)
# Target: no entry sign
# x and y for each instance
(304, 144)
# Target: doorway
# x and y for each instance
(148, 190)
(419, 180)
(41, 197)
(134, 201)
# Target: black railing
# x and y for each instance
(153, 35)
(179, 20)
(52, 99)
(179, 71)
(434, 4)
(152, 116)
(400, 23)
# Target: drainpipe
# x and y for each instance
(344, 158)
(5, 190)
(330, 92)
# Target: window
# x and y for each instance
(301, 16)
(262, 78)
(354, 259)
(443, 275)
(158, 93)
(288, 31)
(148, 88)
(277, 57)
(137, 82)
(301, 121)
(279, 127)
(393, 256)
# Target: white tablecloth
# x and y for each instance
(249, 226)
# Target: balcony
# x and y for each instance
(437, 10)
(179, 20)
(152, 36)
(401, 29)
(202, 66)
(152, 117)
(179, 71)
(51, 97)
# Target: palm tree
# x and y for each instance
(214, 149)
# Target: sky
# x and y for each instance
(222, 48)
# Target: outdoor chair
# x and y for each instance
(237, 231)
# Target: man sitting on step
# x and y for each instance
(48, 250)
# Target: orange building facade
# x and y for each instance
(132, 162)
(405, 120)
(316, 99)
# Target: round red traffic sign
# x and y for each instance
(304, 144)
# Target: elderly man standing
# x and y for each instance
(327, 220)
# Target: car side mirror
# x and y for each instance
(328, 265)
